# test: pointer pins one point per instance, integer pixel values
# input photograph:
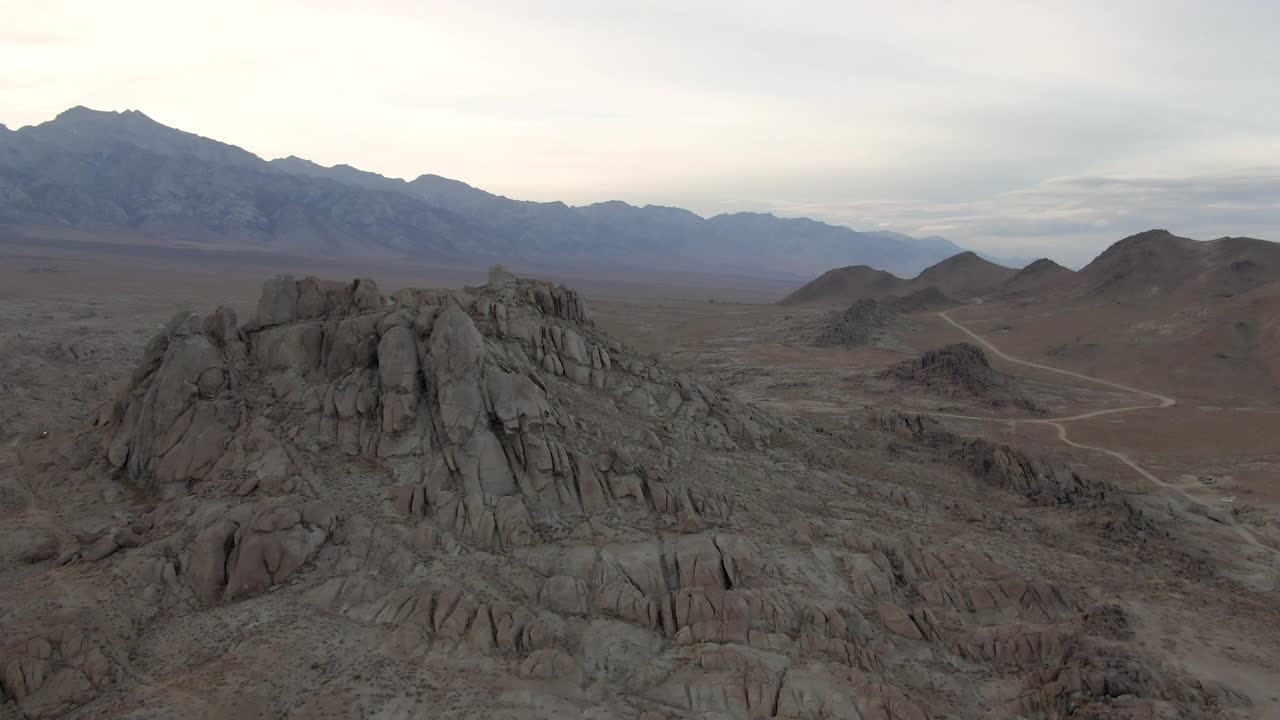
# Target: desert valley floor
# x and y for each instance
(1192, 593)
(762, 350)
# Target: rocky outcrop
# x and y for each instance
(1042, 480)
(962, 370)
(182, 405)
(480, 495)
(257, 546)
(51, 673)
(861, 324)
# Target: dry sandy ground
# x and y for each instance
(1221, 427)
(73, 320)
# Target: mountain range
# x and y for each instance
(123, 171)
(1151, 264)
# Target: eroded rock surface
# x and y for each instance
(477, 504)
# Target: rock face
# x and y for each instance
(962, 369)
(182, 406)
(862, 324)
(480, 496)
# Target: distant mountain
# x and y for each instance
(963, 275)
(124, 171)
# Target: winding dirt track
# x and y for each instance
(1160, 401)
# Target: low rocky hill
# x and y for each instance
(1040, 276)
(962, 369)
(862, 324)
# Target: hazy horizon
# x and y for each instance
(1054, 132)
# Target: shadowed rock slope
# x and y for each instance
(477, 504)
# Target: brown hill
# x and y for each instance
(964, 276)
(960, 276)
(1230, 341)
(1158, 262)
(1266, 333)
(1043, 274)
(1211, 305)
(846, 285)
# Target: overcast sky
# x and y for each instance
(1020, 128)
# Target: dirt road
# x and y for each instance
(1161, 401)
